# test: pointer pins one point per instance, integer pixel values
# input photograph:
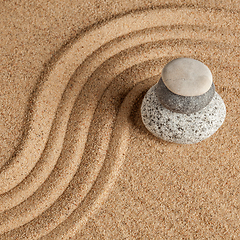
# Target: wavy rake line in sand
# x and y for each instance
(68, 64)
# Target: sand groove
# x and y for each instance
(79, 126)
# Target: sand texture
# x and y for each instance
(76, 161)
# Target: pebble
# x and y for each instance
(183, 104)
(187, 77)
(181, 128)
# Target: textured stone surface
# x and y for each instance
(183, 104)
(187, 77)
(181, 128)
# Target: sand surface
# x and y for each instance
(76, 161)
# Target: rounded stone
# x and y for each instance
(181, 128)
(183, 104)
(187, 77)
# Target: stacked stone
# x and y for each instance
(183, 106)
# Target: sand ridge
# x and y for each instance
(79, 127)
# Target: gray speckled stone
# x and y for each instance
(182, 128)
(187, 77)
(183, 104)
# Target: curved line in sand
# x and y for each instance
(45, 195)
(113, 140)
(51, 91)
(108, 175)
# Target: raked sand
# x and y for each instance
(76, 161)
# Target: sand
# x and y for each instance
(76, 161)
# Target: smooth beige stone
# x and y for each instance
(187, 77)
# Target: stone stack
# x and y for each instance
(183, 106)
